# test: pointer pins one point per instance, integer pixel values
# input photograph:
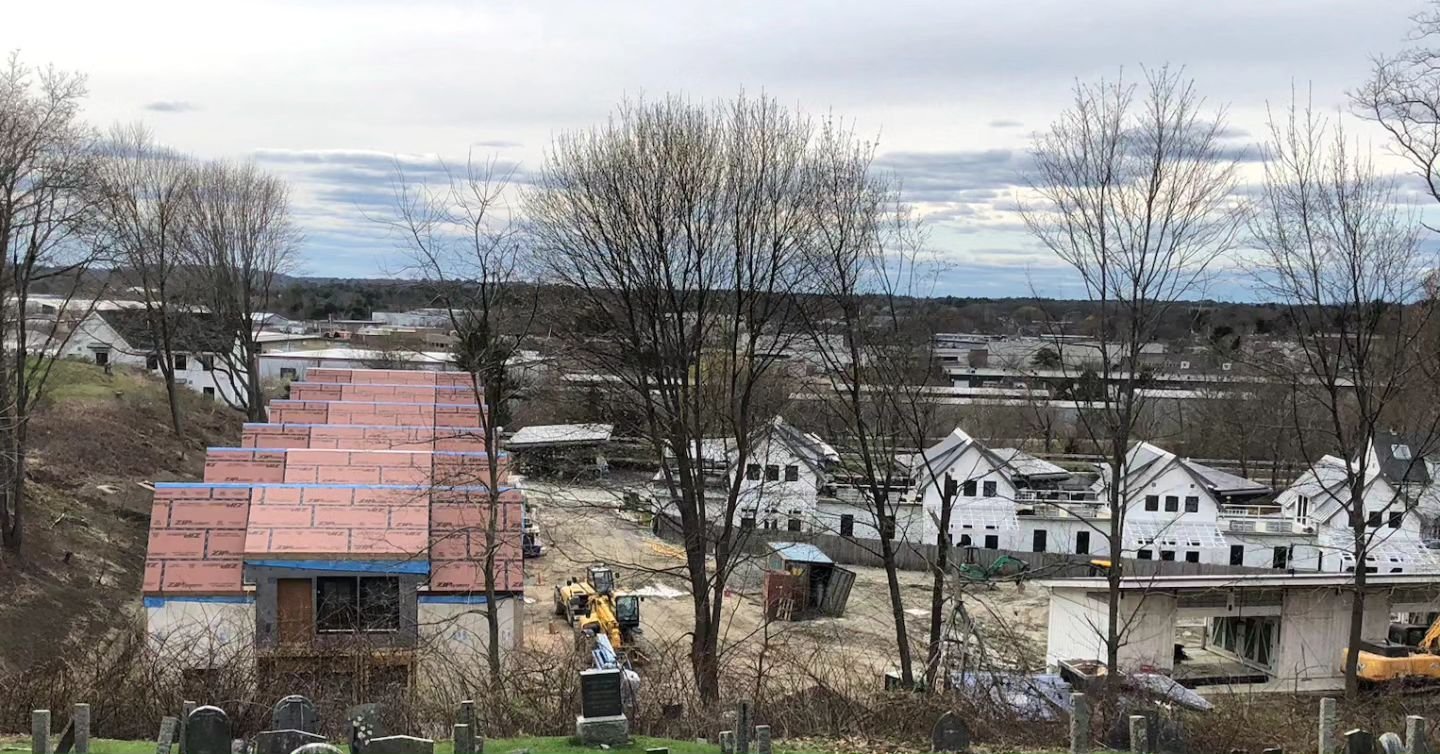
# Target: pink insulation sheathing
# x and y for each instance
(388, 377)
(194, 536)
(354, 523)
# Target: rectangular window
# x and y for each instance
(1037, 543)
(752, 472)
(964, 540)
(207, 362)
(772, 473)
(989, 489)
(793, 524)
(1192, 504)
(288, 373)
(379, 604)
(347, 604)
(1142, 555)
(847, 525)
(1167, 554)
(1152, 502)
(1082, 543)
(969, 488)
(1281, 557)
(1192, 556)
(1395, 519)
(1374, 518)
(1172, 504)
(992, 542)
(179, 362)
(102, 358)
(747, 522)
(152, 362)
(208, 391)
(1237, 555)
(792, 473)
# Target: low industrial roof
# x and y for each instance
(543, 435)
(800, 552)
(1244, 581)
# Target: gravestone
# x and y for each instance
(1391, 743)
(460, 734)
(40, 731)
(762, 739)
(169, 726)
(207, 731)
(1359, 741)
(185, 709)
(1139, 737)
(600, 693)
(365, 724)
(318, 749)
(658, 750)
(727, 742)
(950, 734)
(400, 745)
(742, 726)
(294, 712)
(80, 725)
(1415, 735)
(1079, 724)
(1273, 750)
(1326, 738)
(283, 741)
(465, 738)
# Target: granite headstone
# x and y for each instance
(207, 731)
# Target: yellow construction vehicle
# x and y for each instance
(1402, 658)
(594, 606)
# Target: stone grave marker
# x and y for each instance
(727, 742)
(1326, 734)
(283, 741)
(399, 745)
(318, 749)
(743, 725)
(185, 709)
(1079, 724)
(40, 731)
(294, 712)
(1139, 737)
(80, 724)
(207, 731)
(460, 734)
(762, 739)
(1273, 750)
(1415, 735)
(166, 738)
(1391, 743)
(950, 734)
(1359, 741)
(365, 724)
(658, 750)
(465, 739)
(600, 693)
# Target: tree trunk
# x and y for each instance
(897, 609)
(173, 396)
(937, 595)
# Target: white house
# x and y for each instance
(121, 336)
(1397, 489)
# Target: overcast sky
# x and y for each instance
(326, 92)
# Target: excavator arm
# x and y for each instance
(1431, 643)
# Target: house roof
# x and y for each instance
(1223, 482)
(800, 552)
(550, 435)
(1240, 581)
(191, 331)
(1025, 465)
(807, 446)
(1400, 458)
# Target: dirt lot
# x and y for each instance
(582, 526)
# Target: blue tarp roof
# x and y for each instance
(801, 552)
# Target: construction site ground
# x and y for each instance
(584, 525)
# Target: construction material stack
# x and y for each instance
(363, 510)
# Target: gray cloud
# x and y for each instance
(1005, 123)
(171, 106)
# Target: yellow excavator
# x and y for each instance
(593, 606)
(1410, 655)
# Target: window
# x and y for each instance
(349, 604)
(752, 472)
(1302, 507)
(792, 473)
(152, 362)
(989, 489)
(1142, 555)
(1082, 543)
(1401, 452)
(207, 362)
(102, 358)
(847, 525)
(1184, 365)
(1192, 556)
(1250, 639)
(1172, 504)
(1395, 519)
(969, 488)
(992, 542)
(1152, 502)
(772, 473)
(288, 373)
(770, 524)
(747, 521)
(1225, 366)
(208, 391)
(1192, 504)
(179, 362)
(1374, 518)
(1167, 555)
(1281, 557)
(1037, 543)
(1237, 554)
(793, 524)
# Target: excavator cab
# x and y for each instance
(602, 580)
(627, 612)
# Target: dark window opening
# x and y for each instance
(793, 524)
(964, 540)
(102, 358)
(992, 542)
(752, 472)
(1395, 519)
(1192, 556)
(207, 362)
(152, 362)
(847, 525)
(1082, 543)
(1037, 542)
(1167, 554)
(747, 522)
(288, 373)
(208, 391)
(1374, 518)
(1192, 504)
(1281, 557)
(1142, 555)
(1172, 504)
(1152, 502)
(792, 473)
(179, 362)
(1237, 555)
(970, 488)
(772, 473)
(348, 604)
(989, 489)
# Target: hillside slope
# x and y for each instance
(97, 441)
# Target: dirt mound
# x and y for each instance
(97, 441)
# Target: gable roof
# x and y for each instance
(1223, 482)
(1023, 464)
(1400, 458)
(807, 446)
(201, 332)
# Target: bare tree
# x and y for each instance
(142, 197)
(241, 241)
(679, 227)
(1132, 189)
(46, 167)
(1346, 262)
(1403, 97)
(467, 255)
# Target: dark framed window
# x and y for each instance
(1192, 556)
(989, 489)
(208, 391)
(752, 472)
(152, 362)
(102, 358)
(1082, 543)
(747, 522)
(970, 488)
(180, 363)
(1237, 554)
(792, 473)
(847, 525)
(772, 473)
(1172, 504)
(207, 362)
(1192, 504)
(793, 524)
(1281, 557)
(288, 373)
(350, 604)
(1374, 518)
(1142, 555)
(1037, 541)
(992, 542)
(1152, 502)
(964, 540)
(1395, 519)
(1167, 554)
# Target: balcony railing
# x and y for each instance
(1250, 519)
(1087, 510)
(1084, 497)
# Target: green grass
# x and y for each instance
(558, 745)
(72, 379)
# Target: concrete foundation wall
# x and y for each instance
(200, 632)
(454, 633)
